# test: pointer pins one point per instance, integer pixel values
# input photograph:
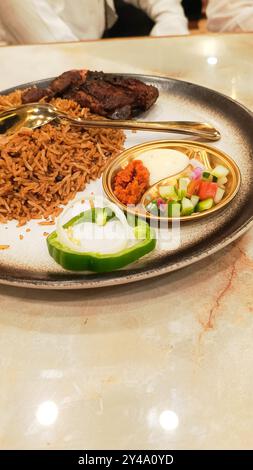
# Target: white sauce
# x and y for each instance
(109, 238)
(163, 162)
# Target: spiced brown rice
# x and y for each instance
(43, 169)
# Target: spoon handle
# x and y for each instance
(198, 129)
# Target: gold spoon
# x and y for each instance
(38, 114)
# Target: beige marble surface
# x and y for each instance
(162, 364)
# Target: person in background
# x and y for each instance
(222, 15)
(41, 21)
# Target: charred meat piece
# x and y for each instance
(104, 94)
(119, 97)
(102, 97)
(57, 87)
(67, 80)
(34, 94)
(86, 101)
(97, 106)
(137, 94)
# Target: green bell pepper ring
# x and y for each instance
(96, 262)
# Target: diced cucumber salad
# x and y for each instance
(197, 191)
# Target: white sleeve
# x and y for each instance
(168, 16)
(31, 21)
(235, 15)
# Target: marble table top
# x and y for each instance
(160, 364)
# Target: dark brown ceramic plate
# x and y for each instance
(27, 263)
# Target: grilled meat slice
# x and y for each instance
(66, 80)
(86, 101)
(137, 94)
(58, 86)
(102, 97)
(113, 96)
(104, 94)
(34, 94)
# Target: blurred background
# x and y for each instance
(43, 21)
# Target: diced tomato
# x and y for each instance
(160, 201)
(193, 187)
(207, 190)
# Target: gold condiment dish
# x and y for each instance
(206, 154)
